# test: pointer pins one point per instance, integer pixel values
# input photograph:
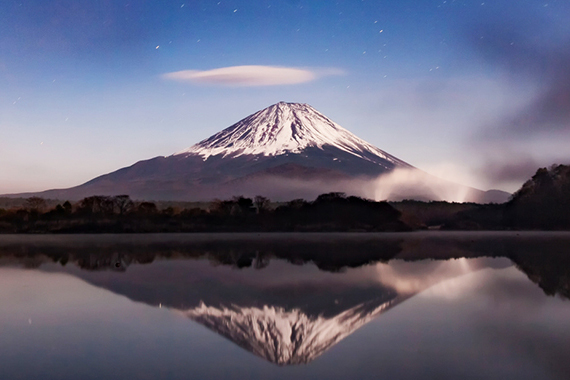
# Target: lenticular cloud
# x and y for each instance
(245, 76)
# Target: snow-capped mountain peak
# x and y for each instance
(285, 128)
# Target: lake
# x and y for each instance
(423, 305)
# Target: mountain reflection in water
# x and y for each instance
(289, 298)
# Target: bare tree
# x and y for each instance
(36, 204)
(123, 203)
(261, 204)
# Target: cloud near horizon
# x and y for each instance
(251, 76)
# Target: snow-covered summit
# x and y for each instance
(285, 128)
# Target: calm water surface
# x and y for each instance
(284, 306)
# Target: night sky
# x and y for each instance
(473, 91)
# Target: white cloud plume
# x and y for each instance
(249, 76)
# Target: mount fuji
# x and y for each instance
(285, 151)
(289, 128)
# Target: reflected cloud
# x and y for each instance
(412, 278)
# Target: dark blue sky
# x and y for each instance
(476, 91)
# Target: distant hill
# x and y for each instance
(542, 203)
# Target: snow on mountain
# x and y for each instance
(286, 128)
(285, 337)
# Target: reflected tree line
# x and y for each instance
(544, 259)
(330, 255)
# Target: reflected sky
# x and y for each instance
(197, 318)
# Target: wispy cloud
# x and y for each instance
(250, 76)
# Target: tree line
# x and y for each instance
(109, 214)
